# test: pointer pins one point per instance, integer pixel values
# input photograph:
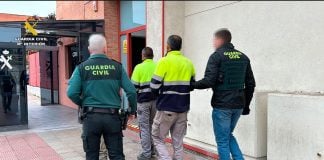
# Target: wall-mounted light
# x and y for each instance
(95, 5)
(59, 42)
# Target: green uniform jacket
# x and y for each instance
(97, 83)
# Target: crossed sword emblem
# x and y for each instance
(30, 28)
(5, 60)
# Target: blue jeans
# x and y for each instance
(224, 122)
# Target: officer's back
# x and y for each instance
(233, 68)
(95, 85)
(101, 77)
(230, 75)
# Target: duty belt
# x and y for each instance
(102, 110)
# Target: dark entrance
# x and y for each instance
(138, 43)
(14, 75)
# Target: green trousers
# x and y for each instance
(96, 125)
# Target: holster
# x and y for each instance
(123, 115)
(82, 114)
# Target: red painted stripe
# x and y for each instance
(136, 29)
(129, 53)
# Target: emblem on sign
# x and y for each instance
(30, 28)
(5, 58)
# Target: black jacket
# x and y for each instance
(228, 99)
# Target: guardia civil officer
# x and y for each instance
(171, 83)
(141, 79)
(229, 74)
(95, 84)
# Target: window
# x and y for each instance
(132, 14)
(9, 34)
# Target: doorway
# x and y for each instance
(138, 42)
(132, 44)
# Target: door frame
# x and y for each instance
(128, 34)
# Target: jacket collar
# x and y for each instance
(174, 53)
(225, 47)
(99, 55)
(148, 60)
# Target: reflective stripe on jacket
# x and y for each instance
(141, 79)
(171, 82)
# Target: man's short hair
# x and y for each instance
(175, 42)
(224, 34)
(97, 42)
(148, 52)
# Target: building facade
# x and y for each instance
(5, 17)
(282, 39)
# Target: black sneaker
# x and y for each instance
(154, 154)
(142, 157)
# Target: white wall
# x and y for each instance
(295, 127)
(284, 42)
(154, 27)
(174, 18)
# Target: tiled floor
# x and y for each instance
(62, 144)
(26, 147)
(55, 134)
(50, 117)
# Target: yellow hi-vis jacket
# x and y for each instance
(171, 82)
(141, 79)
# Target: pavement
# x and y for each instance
(54, 134)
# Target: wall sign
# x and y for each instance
(31, 37)
(5, 58)
(125, 46)
(31, 28)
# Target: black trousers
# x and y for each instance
(6, 101)
(97, 124)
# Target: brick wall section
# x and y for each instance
(34, 69)
(12, 17)
(111, 17)
(63, 69)
(79, 10)
(82, 10)
(38, 76)
(76, 10)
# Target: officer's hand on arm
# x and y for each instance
(130, 90)
(74, 87)
(192, 84)
(246, 110)
(249, 89)
(211, 73)
(192, 80)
